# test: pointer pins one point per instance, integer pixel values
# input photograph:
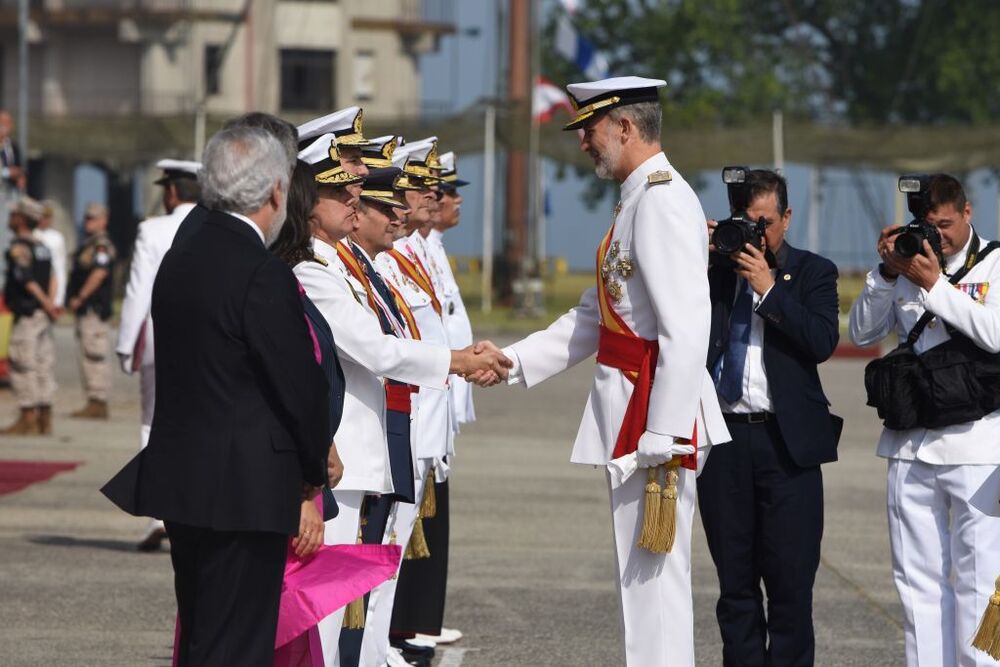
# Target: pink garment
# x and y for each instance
(312, 332)
(316, 587)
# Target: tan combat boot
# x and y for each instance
(94, 409)
(26, 424)
(45, 419)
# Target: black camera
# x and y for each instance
(910, 237)
(733, 233)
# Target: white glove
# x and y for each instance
(656, 449)
(126, 363)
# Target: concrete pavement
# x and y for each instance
(531, 567)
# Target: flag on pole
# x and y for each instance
(547, 98)
(576, 48)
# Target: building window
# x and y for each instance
(364, 75)
(307, 80)
(213, 69)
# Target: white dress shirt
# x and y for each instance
(756, 395)
(54, 240)
(885, 306)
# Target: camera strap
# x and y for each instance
(972, 258)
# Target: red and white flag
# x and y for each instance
(547, 98)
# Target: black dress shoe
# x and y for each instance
(412, 650)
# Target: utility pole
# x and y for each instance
(22, 78)
(519, 97)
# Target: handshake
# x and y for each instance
(482, 364)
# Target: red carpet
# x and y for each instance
(17, 475)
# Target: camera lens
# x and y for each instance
(908, 244)
(728, 238)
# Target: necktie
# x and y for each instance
(730, 383)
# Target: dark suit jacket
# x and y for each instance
(13, 159)
(242, 408)
(190, 224)
(801, 315)
(335, 377)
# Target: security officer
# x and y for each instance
(943, 483)
(89, 297)
(135, 332)
(32, 350)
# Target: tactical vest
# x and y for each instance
(86, 260)
(21, 272)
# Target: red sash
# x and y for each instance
(618, 347)
(397, 396)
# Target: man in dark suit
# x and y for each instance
(241, 429)
(774, 319)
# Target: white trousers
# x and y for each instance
(944, 532)
(342, 529)
(147, 394)
(375, 643)
(657, 618)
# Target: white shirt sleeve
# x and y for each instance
(873, 316)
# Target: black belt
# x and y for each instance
(748, 417)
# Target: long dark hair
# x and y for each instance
(294, 243)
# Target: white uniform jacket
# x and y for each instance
(365, 354)
(432, 428)
(457, 323)
(661, 229)
(974, 310)
(152, 242)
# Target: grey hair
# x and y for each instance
(646, 116)
(240, 168)
(279, 128)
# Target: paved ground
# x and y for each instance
(531, 571)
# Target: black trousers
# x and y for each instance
(423, 583)
(376, 518)
(763, 517)
(228, 587)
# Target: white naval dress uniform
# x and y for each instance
(152, 242)
(661, 228)
(458, 325)
(943, 488)
(431, 433)
(366, 355)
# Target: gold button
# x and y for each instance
(787, 277)
(933, 324)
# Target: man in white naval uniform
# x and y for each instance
(135, 332)
(655, 305)
(366, 355)
(456, 317)
(943, 484)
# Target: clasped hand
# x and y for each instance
(482, 364)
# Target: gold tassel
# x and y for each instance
(988, 636)
(354, 615)
(417, 546)
(392, 540)
(651, 511)
(428, 504)
(667, 531)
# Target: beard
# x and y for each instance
(606, 162)
(276, 224)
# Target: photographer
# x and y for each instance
(943, 483)
(774, 318)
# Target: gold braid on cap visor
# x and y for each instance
(586, 112)
(354, 137)
(381, 158)
(330, 172)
